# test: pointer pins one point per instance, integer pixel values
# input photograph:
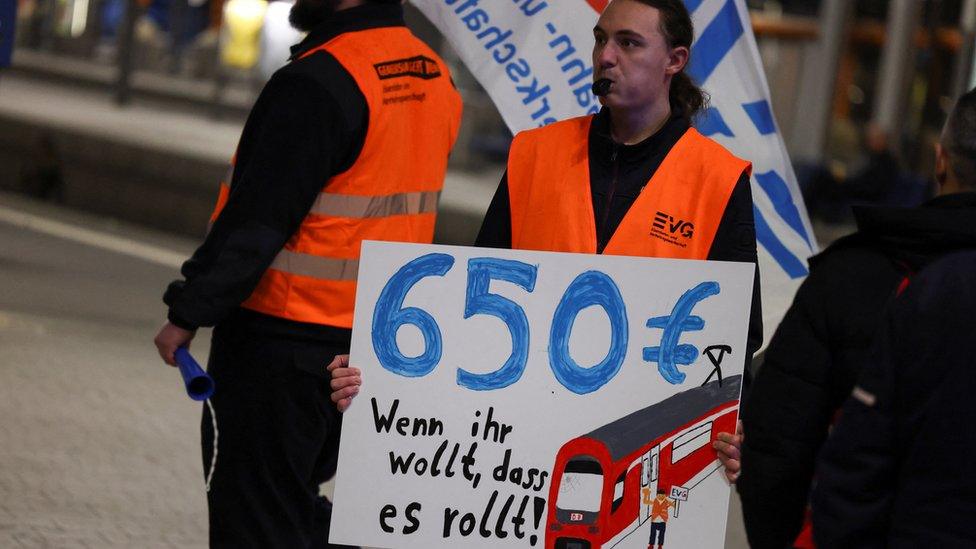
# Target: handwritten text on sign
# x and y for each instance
(518, 398)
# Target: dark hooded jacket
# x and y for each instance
(897, 469)
(816, 354)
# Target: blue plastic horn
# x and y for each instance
(198, 384)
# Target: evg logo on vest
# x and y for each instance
(669, 228)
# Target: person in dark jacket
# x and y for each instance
(897, 468)
(331, 154)
(817, 352)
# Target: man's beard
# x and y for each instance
(305, 15)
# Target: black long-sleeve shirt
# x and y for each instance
(308, 124)
(618, 173)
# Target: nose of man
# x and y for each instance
(606, 56)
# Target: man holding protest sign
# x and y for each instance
(349, 142)
(636, 179)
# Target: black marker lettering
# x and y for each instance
(411, 514)
(387, 512)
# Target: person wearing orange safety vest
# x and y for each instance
(660, 506)
(634, 179)
(348, 142)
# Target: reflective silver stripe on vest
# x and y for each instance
(348, 205)
(325, 268)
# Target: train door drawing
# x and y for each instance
(596, 496)
(649, 465)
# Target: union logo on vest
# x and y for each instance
(418, 67)
(668, 228)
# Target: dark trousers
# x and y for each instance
(657, 531)
(278, 439)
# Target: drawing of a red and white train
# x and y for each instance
(595, 496)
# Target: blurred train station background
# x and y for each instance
(117, 121)
(108, 102)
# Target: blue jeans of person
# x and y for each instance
(657, 531)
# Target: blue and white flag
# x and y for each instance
(534, 59)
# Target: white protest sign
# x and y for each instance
(534, 59)
(515, 398)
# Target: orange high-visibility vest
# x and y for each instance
(391, 191)
(676, 214)
(659, 509)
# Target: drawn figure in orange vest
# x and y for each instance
(660, 506)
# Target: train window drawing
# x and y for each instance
(608, 483)
(694, 439)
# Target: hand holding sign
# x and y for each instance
(729, 448)
(345, 381)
